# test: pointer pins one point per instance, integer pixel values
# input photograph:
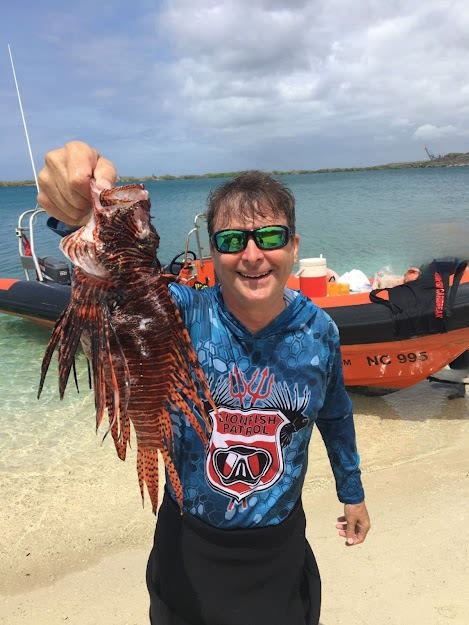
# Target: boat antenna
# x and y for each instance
(23, 118)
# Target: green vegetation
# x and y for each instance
(452, 159)
(226, 174)
(18, 183)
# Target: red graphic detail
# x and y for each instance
(27, 251)
(245, 454)
(439, 297)
(241, 388)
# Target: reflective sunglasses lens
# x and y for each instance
(271, 237)
(230, 241)
(266, 238)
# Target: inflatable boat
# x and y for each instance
(376, 358)
(45, 290)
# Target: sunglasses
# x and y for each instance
(233, 241)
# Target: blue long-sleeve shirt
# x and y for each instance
(270, 388)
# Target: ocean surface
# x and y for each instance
(357, 220)
(364, 220)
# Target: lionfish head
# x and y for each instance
(119, 237)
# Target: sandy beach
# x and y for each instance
(74, 545)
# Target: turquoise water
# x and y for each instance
(363, 220)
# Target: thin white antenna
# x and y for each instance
(23, 118)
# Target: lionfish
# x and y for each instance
(142, 359)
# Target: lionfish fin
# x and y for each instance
(188, 354)
(65, 337)
(75, 378)
(111, 383)
(181, 403)
(52, 344)
(147, 471)
(110, 373)
(173, 476)
(122, 439)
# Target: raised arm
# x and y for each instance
(64, 181)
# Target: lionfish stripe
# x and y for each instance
(182, 405)
(53, 341)
(121, 370)
(173, 476)
(99, 355)
(111, 379)
(68, 346)
(147, 472)
(65, 337)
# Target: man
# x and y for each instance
(238, 554)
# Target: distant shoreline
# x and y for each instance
(453, 159)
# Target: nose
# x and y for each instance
(252, 253)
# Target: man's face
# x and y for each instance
(254, 278)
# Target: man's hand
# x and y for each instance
(64, 182)
(355, 523)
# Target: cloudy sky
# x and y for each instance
(196, 86)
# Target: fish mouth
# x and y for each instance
(257, 276)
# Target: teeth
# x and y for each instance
(260, 275)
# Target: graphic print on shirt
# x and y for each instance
(256, 419)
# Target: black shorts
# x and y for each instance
(201, 575)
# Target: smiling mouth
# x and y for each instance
(254, 277)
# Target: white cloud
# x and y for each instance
(229, 84)
(428, 131)
(384, 66)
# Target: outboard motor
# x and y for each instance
(54, 270)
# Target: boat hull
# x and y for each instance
(39, 302)
(373, 359)
(393, 365)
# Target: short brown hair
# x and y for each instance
(251, 193)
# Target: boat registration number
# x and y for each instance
(402, 358)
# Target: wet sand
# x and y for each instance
(74, 543)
